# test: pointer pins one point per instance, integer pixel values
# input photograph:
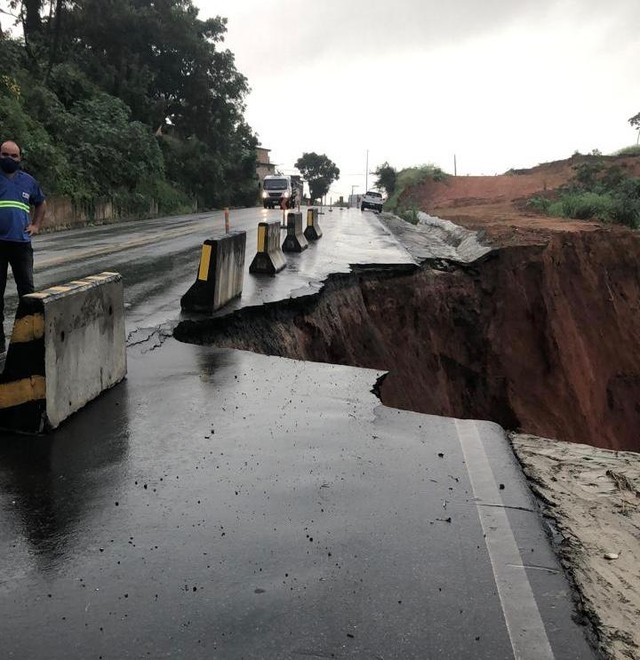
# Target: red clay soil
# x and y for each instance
(496, 205)
(571, 359)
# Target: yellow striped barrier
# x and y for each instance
(294, 240)
(66, 347)
(220, 273)
(312, 231)
(269, 257)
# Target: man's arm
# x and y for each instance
(37, 218)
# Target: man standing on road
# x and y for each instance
(19, 195)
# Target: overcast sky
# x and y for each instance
(499, 83)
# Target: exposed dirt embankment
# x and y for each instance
(497, 205)
(540, 338)
(462, 192)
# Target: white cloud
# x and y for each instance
(500, 83)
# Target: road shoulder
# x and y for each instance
(592, 497)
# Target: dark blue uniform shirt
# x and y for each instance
(16, 197)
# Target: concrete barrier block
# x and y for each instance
(312, 231)
(269, 257)
(294, 240)
(67, 346)
(220, 273)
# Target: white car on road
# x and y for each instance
(372, 200)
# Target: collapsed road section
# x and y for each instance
(538, 338)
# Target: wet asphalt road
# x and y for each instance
(158, 259)
(221, 504)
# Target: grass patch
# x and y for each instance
(596, 192)
(633, 150)
(400, 202)
(583, 206)
(410, 215)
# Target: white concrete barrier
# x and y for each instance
(220, 273)
(67, 346)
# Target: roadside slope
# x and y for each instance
(496, 205)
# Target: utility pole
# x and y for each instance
(366, 174)
(455, 167)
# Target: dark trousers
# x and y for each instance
(20, 256)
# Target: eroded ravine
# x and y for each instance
(541, 338)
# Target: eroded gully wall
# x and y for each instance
(542, 339)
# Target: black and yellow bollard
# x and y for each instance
(294, 240)
(312, 231)
(269, 258)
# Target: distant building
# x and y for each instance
(264, 166)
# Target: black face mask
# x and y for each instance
(8, 165)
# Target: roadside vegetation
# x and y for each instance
(397, 183)
(633, 150)
(133, 102)
(598, 191)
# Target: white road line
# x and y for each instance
(526, 629)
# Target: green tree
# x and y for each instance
(147, 75)
(86, 144)
(113, 153)
(319, 171)
(42, 29)
(387, 177)
(169, 67)
(587, 173)
(163, 61)
(635, 122)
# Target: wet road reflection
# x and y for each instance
(52, 486)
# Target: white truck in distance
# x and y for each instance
(278, 189)
(372, 200)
